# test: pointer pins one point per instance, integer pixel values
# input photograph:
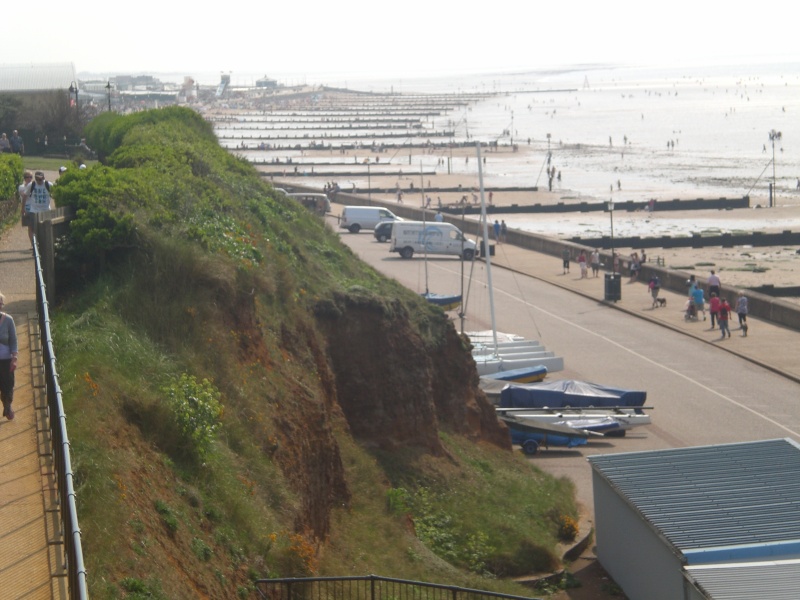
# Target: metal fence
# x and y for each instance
(71, 533)
(368, 587)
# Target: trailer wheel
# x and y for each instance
(407, 252)
(530, 447)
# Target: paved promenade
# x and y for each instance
(773, 347)
(30, 562)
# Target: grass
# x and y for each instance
(43, 163)
(490, 509)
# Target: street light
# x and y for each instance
(73, 89)
(108, 89)
(369, 181)
(773, 135)
(610, 207)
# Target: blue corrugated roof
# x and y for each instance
(741, 499)
(36, 77)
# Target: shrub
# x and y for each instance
(196, 408)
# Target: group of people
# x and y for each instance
(582, 260)
(500, 230)
(14, 144)
(718, 306)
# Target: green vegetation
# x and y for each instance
(208, 445)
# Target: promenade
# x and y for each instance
(771, 346)
(31, 561)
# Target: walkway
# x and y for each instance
(770, 346)
(30, 563)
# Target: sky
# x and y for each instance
(329, 40)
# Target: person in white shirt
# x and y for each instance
(37, 199)
(713, 283)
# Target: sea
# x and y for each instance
(628, 132)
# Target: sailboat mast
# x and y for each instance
(486, 252)
(424, 226)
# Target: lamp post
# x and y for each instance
(369, 181)
(73, 89)
(610, 207)
(773, 135)
(108, 90)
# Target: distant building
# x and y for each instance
(266, 83)
(33, 78)
(139, 83)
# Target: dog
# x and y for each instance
(662, 302)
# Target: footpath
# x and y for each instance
(31, 560)
(771, 346)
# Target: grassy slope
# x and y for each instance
(194, 295)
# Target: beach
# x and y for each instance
(613, 134)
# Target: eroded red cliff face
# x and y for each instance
(396, 388)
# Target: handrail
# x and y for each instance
(73, 551)
(368, 587)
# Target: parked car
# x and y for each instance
(383, 231)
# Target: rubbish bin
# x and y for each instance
(483, 249)
(613, 287)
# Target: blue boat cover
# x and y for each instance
(568, 392)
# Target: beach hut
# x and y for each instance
(701, 523)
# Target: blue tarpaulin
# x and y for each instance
(568, 392)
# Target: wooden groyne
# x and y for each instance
(726, 240)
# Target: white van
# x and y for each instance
(432, 237)
(356, 218)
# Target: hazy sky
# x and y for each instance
(357, 38)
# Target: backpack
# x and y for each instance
(46, 184)
(655, 283)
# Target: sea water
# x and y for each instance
(628, 133)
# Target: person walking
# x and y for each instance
(635, 266)
(741, 311)
(713, 283)
(17, 145)
(724, 314)
(595, 261)
(699, 301)
(691, 283)
(37, 199)
(582, 264)
(503, 231)
(496, 228)
(655, 287)
(713, 308)
(8, 359)
(565, 260)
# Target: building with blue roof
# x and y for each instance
(670, 523)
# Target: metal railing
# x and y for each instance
(367, 587)
(71, 533)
